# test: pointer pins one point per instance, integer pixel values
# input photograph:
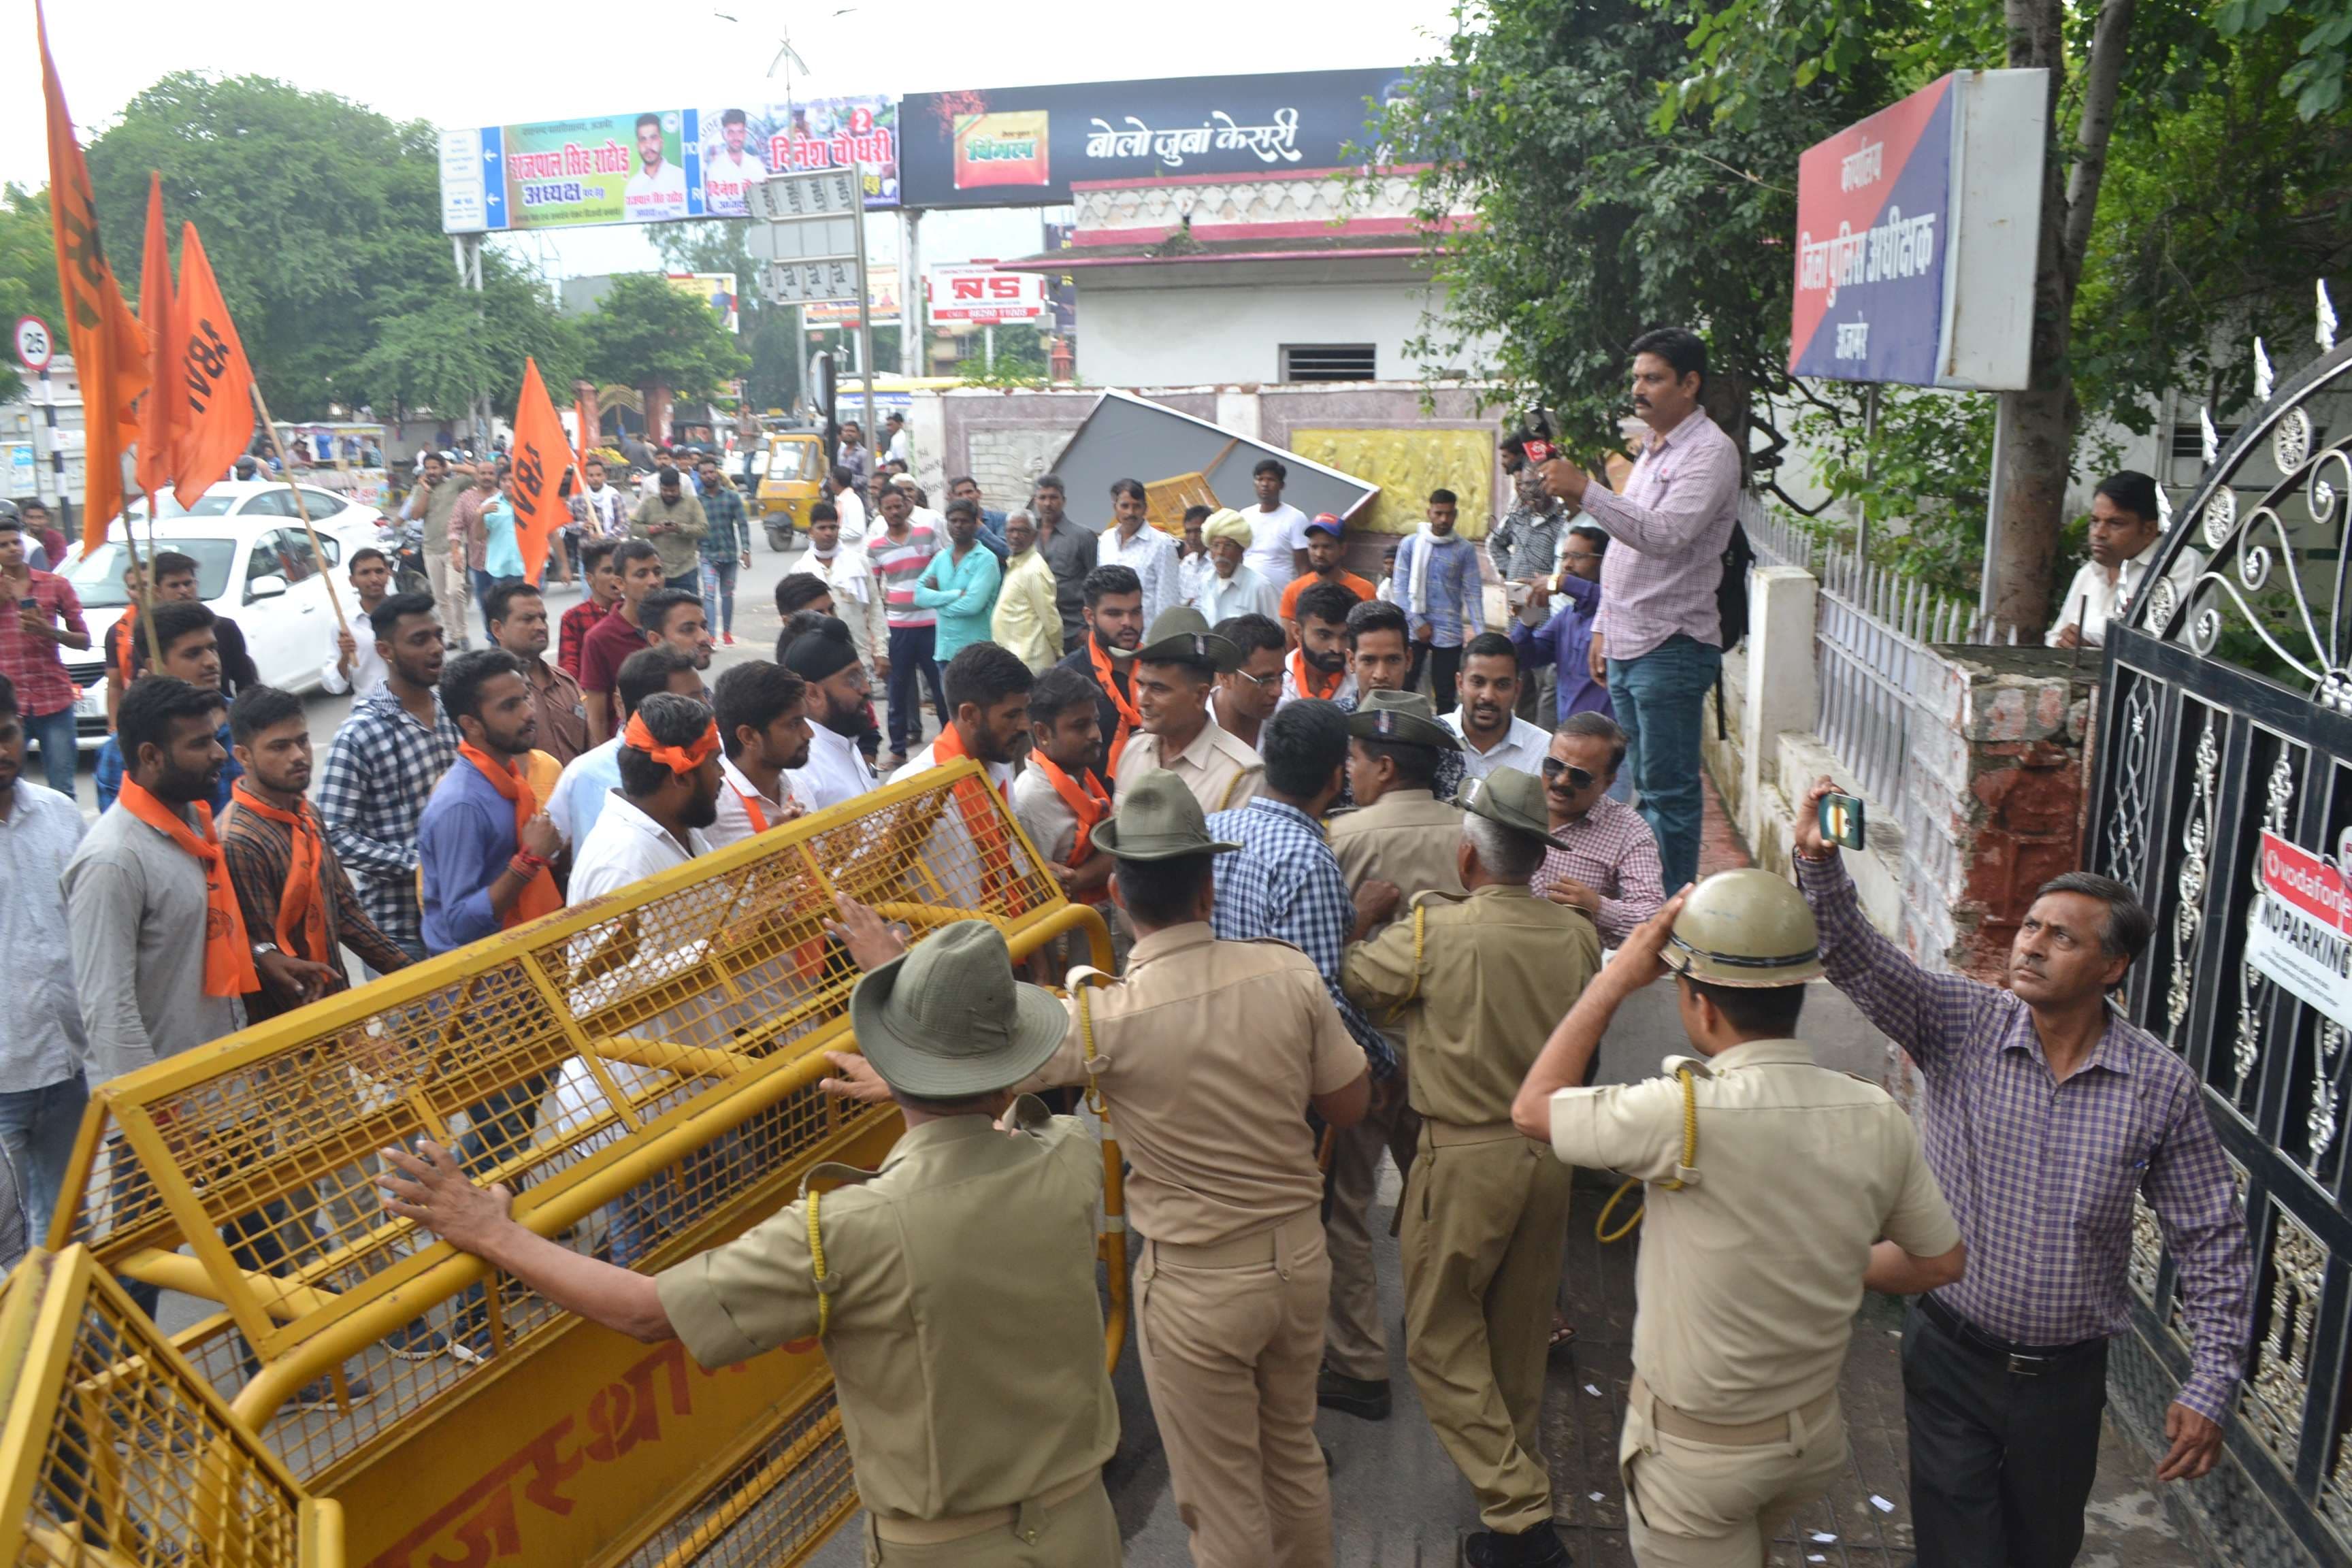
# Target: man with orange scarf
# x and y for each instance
(670, 776)
(1114, 621)
(290, 886)
(485, 847)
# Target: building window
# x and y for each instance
(1326, 362)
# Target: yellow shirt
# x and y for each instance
(1025, 620)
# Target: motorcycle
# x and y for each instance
(404, 542)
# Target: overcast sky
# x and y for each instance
(506, 63)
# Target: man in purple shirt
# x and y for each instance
(1658, 624)
(2048, 1114)
(1565, 639)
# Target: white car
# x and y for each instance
(254, 565)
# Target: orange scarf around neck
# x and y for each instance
(228, 953)
(1311, 681)
(1129, 721)
(302, 928)
(540, 896)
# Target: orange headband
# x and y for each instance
(679, 759)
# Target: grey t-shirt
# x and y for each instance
(135, 907)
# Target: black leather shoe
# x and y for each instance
(1537, 1548)
(1364, 1397)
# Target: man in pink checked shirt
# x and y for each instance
(1658, 627)
(1610, 870)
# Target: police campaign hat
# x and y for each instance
(1157, 819)
(1182, 635)
(946, 1020)
(1513, 797)
(1404, 717)
(1745, 928)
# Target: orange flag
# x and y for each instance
(157, 410)
(212, 379)
(541, 453)
(109, 348)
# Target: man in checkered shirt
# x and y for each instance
(1610, 870)
(2048, 1116)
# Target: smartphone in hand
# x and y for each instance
(1841, 820)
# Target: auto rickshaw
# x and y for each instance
(792, 482)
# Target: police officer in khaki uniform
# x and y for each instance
(1401, 833)
(957, 1300)
(1172, 674)
(1758, 1230)
(1477, 983)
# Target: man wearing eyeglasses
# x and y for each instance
(1610, 867)
(1248, 695)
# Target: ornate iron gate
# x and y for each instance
(2227, 711)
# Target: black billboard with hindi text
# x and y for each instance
(1027, 146)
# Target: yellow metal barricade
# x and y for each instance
(642, 1070)
(115, 1452)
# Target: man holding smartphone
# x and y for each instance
(43, 616)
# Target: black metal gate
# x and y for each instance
(2227, 710)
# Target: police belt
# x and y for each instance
(1244, 1251)
(963, 1526)
(2025, 1360)
(1455, 1134)
(1785, 1428)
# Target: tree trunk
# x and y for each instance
(2035, 461)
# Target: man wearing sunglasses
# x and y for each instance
(1610, 867)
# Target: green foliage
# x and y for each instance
(28, 271)
(2316, 80)
(769, 334)
(646, 334)
(1593, 223)
(439, 344)
(1919, 486)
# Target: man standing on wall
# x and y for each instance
(1658, 630)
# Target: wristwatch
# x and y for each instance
(264, 949)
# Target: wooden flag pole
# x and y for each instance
(302, 510)
(146, 587)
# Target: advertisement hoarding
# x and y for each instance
(658, 165)
(2299, 930)
(715, 290)
(1916, 241)
(1024, 146)
(981, 295)
(881, 287)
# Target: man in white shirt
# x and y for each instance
(727, 169)
(1131, 542)
(2127, 530)
(763, 728)
(353, 665)
(600, 509)
(588, 780)
(657, 190)
(1277, 550)
(841, 486)
(988, 708)
(852, 590)
(826, 660)
(896, 449)
(1492, 734)
(670, 793)
(1232, 588)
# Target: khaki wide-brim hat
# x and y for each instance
(1403, 717)
(1513, 797)
(1182, 635)
(1745, 928)
(947, 1021)
(1159, 819)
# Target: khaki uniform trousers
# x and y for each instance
(1703, 1495)
(1485, 1224)
(1230, 1337)
(1064, 1529)
(1356, 1345)
(453, 588)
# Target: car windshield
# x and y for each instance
(793, 460)
(96, 578)
(206, 505)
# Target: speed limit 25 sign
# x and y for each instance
(32, 344)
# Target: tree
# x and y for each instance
(646, 334)
(28, 271)
(323, 219)
(1594, 224)
(767, 333)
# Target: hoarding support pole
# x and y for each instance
(910, 294)
(866, 333)
(1869, 467)
(1992, 518)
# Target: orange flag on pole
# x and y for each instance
(541, 453)
(157, 410)
(109, 348)
(211, 378)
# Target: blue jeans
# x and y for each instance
(718, 597)
(1661, 700)
(37, 1127)
(54, 734)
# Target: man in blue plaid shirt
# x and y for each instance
(1285, 882)
(724, 547)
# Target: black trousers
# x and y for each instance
(2002, 1461)
(1444, 664)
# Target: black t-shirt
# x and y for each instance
(238, 672)
(1107, 711)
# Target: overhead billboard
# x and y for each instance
(1915, 239)
(1024, 146)
(976, 293)
(658, 165)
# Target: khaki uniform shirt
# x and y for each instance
(1497, 970)
(966, 1337)
(1749, 1277)
(1219, 769)
(1206, 1054)
(678, 551)
(1408, 836)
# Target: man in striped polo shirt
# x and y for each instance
(897, 556)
